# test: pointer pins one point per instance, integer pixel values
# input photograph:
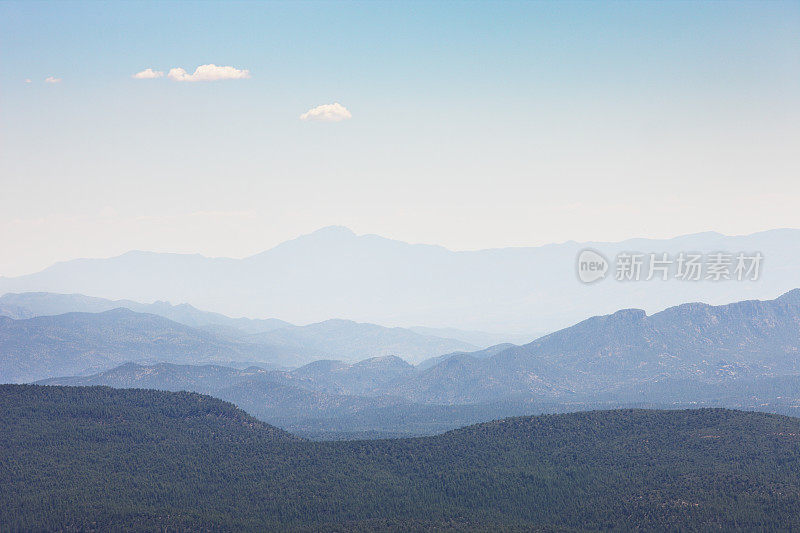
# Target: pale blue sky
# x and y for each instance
(473, 124)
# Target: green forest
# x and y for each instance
(96, 458)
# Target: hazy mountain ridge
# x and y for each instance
(698, 341)
(81, 343)
(478, 338)
(274, 343)
(353, 340)
(163, 376)
(745, 355)
(479, 354)
(33, 304)
(367, 278)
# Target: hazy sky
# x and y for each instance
(464, 124)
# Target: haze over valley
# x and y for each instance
(361, 381)
(334, 273)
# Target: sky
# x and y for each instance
(470, 125)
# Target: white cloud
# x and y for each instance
(51, 79)
(148, 74)
(327, 113)
(208, 73)
(28, 80)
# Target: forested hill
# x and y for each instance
(122, 413)
(97, 458)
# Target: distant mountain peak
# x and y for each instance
(323, 365)
(334, 230)
(120, 311)
(629, 314)
(323, 238)
(384, 361)
(337, 322)
(790, 296)
(335, 271)
(328, 233)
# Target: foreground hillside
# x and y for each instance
(93, 458)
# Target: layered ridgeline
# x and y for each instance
(743, 355)
(84, 342)
(335, 273)
(628, 351)
(80, 343)
(352, 340)
(34, 304)
(98, 458)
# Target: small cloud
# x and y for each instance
(327, 113)
(148, 74)
(28, 80)
(51, 79)
(208, 73)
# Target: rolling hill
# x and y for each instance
(98, 458)
(281, 398)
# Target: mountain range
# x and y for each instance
(80, 343)
(366, 278)
(33, 304)
(94, 334)
(707, 344)
(744, 355)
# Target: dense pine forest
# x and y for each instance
(95, 458)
